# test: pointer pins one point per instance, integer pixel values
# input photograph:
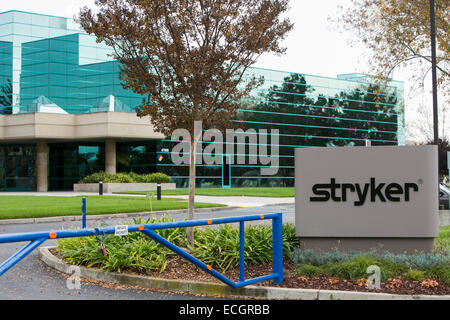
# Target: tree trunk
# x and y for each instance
(192, 176)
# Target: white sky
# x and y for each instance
(314, 45)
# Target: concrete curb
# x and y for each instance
(107, 216)
(221, 289)
(278, 204)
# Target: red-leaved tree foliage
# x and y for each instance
(188, 58)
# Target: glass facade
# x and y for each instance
(139, 157)
(17, 167)
(70, 162)
(5, 77)
(308, 111)
(48, 64)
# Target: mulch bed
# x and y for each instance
(180, 269)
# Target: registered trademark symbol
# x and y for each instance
(420, 181)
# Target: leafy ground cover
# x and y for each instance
(217, 246)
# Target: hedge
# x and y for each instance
(126, 177)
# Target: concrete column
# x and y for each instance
(110, 156)
(42, 166)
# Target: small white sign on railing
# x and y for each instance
(121, 230)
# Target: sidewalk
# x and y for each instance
(62, 194)
(241, 202)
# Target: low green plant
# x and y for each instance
(219, 247)
(135, 251)
(441, 273)
(157, 177)
(308, 270)
(414, 275)
(121, 178)
(352, 269)
(216, 246)
(353, 265)
(392, 269)
(96, 177)
(290, 239)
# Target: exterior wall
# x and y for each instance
(98, 82)
(31, 126)
(19, 27)
(49, 69)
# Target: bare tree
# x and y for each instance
(397, 33)
(420, 128)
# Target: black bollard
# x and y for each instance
(100, 188)
(158, 191)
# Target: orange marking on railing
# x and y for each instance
(209, 221)
(52, 235)
(208, 267)
(141, 227)
(261, 217)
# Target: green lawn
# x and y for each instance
(444, 233)
(12, 207)
(278, 192)
(443, 242)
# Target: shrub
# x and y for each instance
(158, 177)
(96, 177)
(127, 177)
(137, 177)
(120, 178)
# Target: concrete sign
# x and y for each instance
(367, 194)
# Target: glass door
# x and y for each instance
(17, 176)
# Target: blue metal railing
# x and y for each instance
(37, 238)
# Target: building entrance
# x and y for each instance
(17, 173)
